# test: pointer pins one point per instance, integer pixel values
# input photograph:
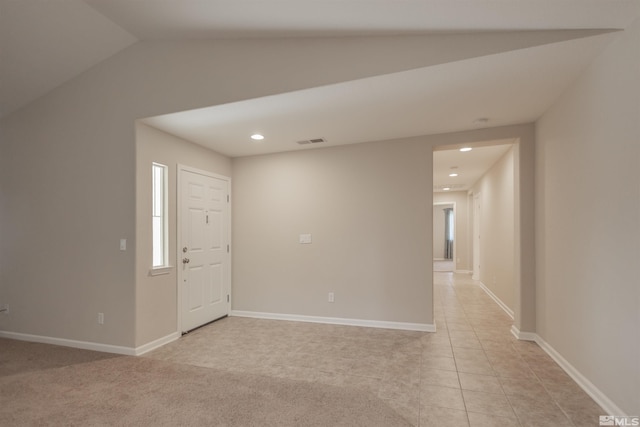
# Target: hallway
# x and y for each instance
(498, 375)
(471, 372)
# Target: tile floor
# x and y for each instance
(472, 372)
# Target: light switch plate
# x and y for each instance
(123, 244)
(305, 239)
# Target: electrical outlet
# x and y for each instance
(331, 297)
(100, 318)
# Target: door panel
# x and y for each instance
(195, 288)
(216, 282)
(216, 231)
(195, 240)
(205, 261)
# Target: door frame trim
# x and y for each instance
(477, 225)
(184, 168)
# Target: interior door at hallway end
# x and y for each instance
(204, 249)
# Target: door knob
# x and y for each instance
(185, 260)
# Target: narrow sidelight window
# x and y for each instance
(159, 215)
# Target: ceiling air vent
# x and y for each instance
(312, 141)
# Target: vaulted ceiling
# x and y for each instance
(503, 60)
(45, 43)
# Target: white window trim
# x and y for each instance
(165, 267)
(159, 271)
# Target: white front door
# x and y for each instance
(204, 248)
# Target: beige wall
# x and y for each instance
(497, 228)
(156, 296)
(524, 261)
(68, 167)
(588, 222)
(462, 243)
(67, 184)
(366, 206)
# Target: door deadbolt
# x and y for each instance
(185, 249)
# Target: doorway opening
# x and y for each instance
(474, 197)
(444, 245)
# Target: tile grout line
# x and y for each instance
(473, 327)
(458, 307)
(464, 402)
(553, 399)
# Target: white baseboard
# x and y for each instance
(85, 345)
(497, 300)
(422, 327)
(601, 399)
(598, 396)
(464, 272)
(524, 336)
(157, 343)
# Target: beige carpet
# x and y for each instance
(49, 385)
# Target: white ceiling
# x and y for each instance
(470, 166)
(45, 43)
(203, 19)
(507, 88)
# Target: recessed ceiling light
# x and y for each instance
(257, 137)
(446, 189)
(453, 174)
(463, 149)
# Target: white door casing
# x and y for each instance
(477, 209)
(204, 262)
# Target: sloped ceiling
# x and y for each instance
(45, 43)
(503, 60)
(206, 19)
(510, 87)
